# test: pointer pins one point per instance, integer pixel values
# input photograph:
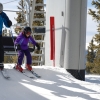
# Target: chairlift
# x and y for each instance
(9, 48)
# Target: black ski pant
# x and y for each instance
(1, 51)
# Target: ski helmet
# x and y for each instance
(1, 7)
(27, 30)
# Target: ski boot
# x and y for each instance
(28, 67)
(18, 67)
(1, 66)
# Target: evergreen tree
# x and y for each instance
(93, 56)
(90, 56)
(21, 16)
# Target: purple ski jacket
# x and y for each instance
(23, 41)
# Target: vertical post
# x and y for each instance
(28, 11)
(52, 40)
(74, 58)
(32, 12)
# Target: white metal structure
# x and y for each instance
(70, 33)
(31, 13)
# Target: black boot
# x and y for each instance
(1, 66)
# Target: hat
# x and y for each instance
(27, 30)
(1, 7)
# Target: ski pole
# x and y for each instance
(13, 41)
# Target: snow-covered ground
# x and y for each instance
(55, 84)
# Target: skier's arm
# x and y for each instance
(38, 46)
(18, 40)
(34, 43)
(6, 20)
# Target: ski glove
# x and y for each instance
(18, 47)
(38, 46)
(9, 23)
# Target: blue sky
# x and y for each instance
(89, 3)
(91, 24)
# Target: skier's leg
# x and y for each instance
(29, 59)
(1, 54)
(20, 59)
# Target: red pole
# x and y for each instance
(52, 40)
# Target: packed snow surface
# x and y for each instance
(56, 84)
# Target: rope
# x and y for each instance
(10, 1)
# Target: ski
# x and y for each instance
(35, 74)
(27, 75)
(5, 74)
(24, 74)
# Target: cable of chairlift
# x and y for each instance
(12, 11)
(9, 2)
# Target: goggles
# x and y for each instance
(28, 33)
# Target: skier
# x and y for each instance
(3, 19)
(22, 46)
